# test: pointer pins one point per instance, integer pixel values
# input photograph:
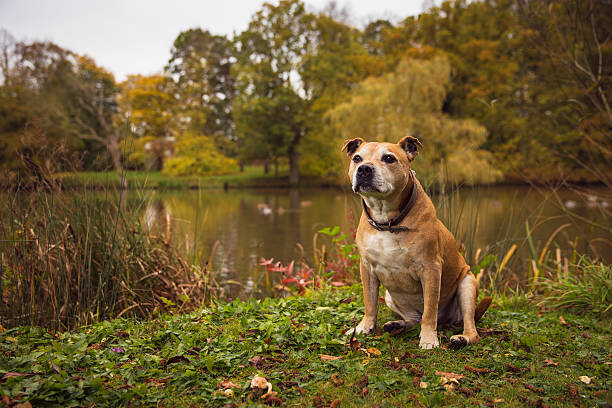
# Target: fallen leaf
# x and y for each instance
(363, 382)
(335, 403)
(176, 359)
(586, 334)
(374, 350)
(450, 375)
(478, 370)
(498, 400)
(228, 384)
(326, 357)
(10, 375)
(261, 383)
(229, 393)
(585, 379)
(549, 362)
(24, 405)
(256, 361)
(563, 322)
(336, 381)
(534, 389)
(423, 384)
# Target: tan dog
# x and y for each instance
(404, 246)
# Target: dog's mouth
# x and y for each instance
(365, 187)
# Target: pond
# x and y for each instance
(235, 229)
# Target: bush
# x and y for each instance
(196, 155)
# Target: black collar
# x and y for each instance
(391, 225)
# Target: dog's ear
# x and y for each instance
(411, 146)
(351, 145)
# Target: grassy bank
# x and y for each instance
(526, 357)
(251, 177)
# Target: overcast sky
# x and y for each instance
(135, 36)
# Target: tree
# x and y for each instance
(148, 103)
(270, 53)
(201, 67)
(409, 101)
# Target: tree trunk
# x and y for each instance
(241, 164)
(266, 167)
(275, 167)
(294, 168)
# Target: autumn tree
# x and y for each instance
(409, 101)
(148, 103)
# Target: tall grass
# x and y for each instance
(69, 258)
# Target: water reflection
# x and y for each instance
(234, 229)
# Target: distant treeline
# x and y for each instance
(495, 89)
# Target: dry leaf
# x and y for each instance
(261, 383)
(497, 400)
(563, 322)
(374, 350)
(450, 375)
(423, 384)
(24, 405)
(228, 384)
(326, 357)
(229, 393)
(585, 379)
(549, 362)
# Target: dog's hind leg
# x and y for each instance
(467, 293)
(397, 326)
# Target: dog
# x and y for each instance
(406, 248)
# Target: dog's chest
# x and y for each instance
(392, 260)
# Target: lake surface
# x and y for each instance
(239, 227)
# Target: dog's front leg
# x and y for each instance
(370, 299)
(431, 298)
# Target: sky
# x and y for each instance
(135, 36)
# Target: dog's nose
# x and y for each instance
(364, 170)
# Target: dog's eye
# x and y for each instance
(387, 158)
(356, 158)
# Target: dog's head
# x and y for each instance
(379, 169)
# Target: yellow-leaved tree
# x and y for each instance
(409, 101)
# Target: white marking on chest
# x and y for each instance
(384, 253)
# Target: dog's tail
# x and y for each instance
(482, 308)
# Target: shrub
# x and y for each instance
(196, 155)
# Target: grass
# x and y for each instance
(525, 358)
(253, 176)
(586, 288)
(73, 258)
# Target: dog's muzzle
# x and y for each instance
(364, 178)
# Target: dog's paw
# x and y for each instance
(461, 340)
(364, 327)
(395, 327)
(429, 341)
(458, 341)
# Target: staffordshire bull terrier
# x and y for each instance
(404, 246)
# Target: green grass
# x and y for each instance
(524, 359)
(253, 176)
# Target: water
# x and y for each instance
(253, 224)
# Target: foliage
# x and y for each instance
(196, 154)
(148, 103)
(297, 344)
(409, 101)
(200, 65)
(585, 289)
(72, 258)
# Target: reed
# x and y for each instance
(69, 258)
